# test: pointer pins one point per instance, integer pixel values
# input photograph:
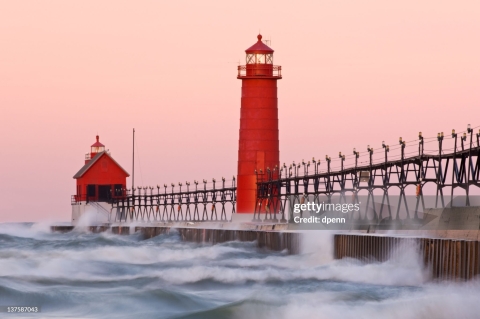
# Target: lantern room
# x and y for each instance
(96, 148)
(259, 53)
(259, 62)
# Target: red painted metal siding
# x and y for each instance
(258, 140)
(104, 172)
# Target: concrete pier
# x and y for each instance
(273, 240)
(93, 229)
(447, 241)
(264, 235)
(121, 230)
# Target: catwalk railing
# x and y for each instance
(259, 70)
(279, 189)
(170, 205)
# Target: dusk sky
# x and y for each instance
(354, 73)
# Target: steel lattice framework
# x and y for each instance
(190, 205)
(279, 189)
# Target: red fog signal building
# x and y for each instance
(99, 181)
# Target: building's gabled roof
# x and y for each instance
(87, 166)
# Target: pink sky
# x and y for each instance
(355, 73)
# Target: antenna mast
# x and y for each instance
(133, 162)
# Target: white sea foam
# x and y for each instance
(433, 301)
(206, 262)
(310, 285)
(26, 230)
(89, 218)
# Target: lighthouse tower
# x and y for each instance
(258, 143)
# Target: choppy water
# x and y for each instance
(83, 275)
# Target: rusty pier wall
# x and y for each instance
(272, 240)
(93, 229)
(446, 259)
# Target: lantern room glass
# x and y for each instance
(97, 149)
(259, 58)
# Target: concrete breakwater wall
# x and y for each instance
(446, 259)
(66, 229)
(272, 240)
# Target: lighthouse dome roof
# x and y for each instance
(97, 143)
(259, 47)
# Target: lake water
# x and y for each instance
(84, 275)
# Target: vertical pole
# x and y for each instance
(402, 181)
(385, 182)
(371, 182)
(439, 171)
(469, 165)
(133, 160)
(356, 163)
(356, 182)
(328, 179)
(454, 135)
(342, 181)
(420, 174)
(420, 155)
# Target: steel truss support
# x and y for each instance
(291, 188)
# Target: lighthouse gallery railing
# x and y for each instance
(259, 70)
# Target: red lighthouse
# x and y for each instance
(99, 181)
(258, 143)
